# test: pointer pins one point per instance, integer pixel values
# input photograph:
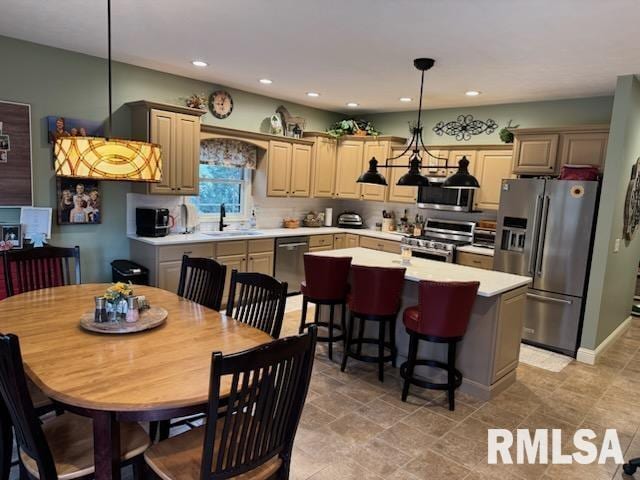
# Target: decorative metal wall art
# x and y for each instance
(464, 127)
(632, 202)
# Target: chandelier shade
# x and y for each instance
(372, 176)
(107, 159)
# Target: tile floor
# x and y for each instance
(354, 427)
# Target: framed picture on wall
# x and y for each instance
(11, 236)
(72, 127)
(15, 155)
(79, 201)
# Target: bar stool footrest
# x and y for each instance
(369, 358)
(425, 383)
(336, 326)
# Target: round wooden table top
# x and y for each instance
(167, 367)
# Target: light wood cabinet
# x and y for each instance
(320, 249)
(339, 240)
(583, 149)
(232, 262)
(535, 154)
(435, 164)
(323, 240)
(396, 193)
(261, 263)
(381, 151)
(492, 166)
(288, 169)
(474, 260)
(324, 166)
(352, 240)
(169, 275)
(177, 130)
(456, 155)
(389, 246)
(349, 168)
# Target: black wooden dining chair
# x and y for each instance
(259, 302)
(202, 281)
(254, 436)
(61, 447)
(36, 268)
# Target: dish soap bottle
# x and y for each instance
(253, 222)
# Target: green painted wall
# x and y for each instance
(613, 275)
(526, 115)
(59, 82)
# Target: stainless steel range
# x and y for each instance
(440, 239)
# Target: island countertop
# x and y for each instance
(491, 283)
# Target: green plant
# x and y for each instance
(351, 126)
(506, 135)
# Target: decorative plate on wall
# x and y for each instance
(221, 104)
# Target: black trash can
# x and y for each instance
(128, 271)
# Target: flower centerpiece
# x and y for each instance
(116, 296)
(351, 126)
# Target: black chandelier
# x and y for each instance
(413, 178)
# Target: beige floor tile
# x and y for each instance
(344, 470)
(355, 428)
(379, 457)
(461, 449)
(304, 465)
(473, 429)
(413, 403)
(313, 416)
(360, 390)
(407, 438)
(336, 404)
(429, 422)
(382, 413)
(515, 403)
(441, 407)
(402, 475)
(436, 466)
(497, 417)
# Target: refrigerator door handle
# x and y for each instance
(542, 235)
(550, 299)
(536, 230)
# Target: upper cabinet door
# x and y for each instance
(187, 154)
(163, 132)
(535, 154)
(379, 150)
(301, 171)
(584, 149)
(349, 168)
(456, 155)
(492, 166)
(396, 193)
(324, 167)
(279, 169)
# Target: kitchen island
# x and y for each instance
(488, 354)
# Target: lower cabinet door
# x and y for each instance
(169, 275)
(352, 240)
(232, 262)
(260, 263)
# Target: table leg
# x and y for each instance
(106, 446)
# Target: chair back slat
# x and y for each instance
(269, 385)
(202, 281)
(260, 303)
(18, 409)
(36, 268)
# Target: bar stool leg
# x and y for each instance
(410, 365)
(392, 340)
(316, 316)
(303, 318)
(451, 377)
(331, 311)
(343, 322)
(347, 346)
(381, 335)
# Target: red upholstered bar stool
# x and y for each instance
(375, 297)
(442, 316)
(326, 283)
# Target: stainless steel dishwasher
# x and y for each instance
(290, 261)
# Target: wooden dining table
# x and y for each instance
(151, 375)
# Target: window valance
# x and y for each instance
(228, 152)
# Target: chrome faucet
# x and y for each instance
(223, 213)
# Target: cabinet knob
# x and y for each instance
(178, 188)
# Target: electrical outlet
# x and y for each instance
(616, 246)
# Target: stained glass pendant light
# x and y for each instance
(413, 178)
(106, 158)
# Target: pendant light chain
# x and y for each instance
(419, 125)
(110, 132)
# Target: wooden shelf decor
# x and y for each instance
(15, 155)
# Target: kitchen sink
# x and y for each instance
(234, 233)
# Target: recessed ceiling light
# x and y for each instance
(313, 94)
(472, 93)
(266, 81)
(199, 63)
(405, 99)
(352, 104)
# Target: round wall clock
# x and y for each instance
(220, 104)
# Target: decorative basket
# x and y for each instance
(316, 222)
(290, 223)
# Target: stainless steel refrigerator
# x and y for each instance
(545, 231)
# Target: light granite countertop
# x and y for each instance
(203, 237)
(491, 283)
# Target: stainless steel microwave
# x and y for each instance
(436, 197)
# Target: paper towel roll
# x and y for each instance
(328, 217)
